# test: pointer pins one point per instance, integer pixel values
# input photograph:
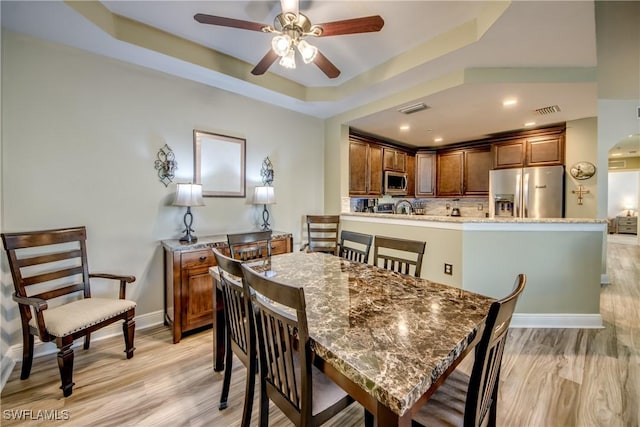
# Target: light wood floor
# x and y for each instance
(550, 377)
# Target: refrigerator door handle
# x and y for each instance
(525, 196)
(517, 198)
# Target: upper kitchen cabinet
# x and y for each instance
(425, 174)
(394, 160)
(449, 173)
(541, 148)
(411, 176)
(477, 164)
(365, 168)
(464, 172)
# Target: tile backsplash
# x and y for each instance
(469, 207)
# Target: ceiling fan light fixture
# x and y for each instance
(289, 60)
(307, 51)
(281, 44)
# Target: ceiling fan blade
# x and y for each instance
(326, 66)
(228, 22)
(264, 64)
(368, 24)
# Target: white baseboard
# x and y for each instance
(14, 354)
(604, 279)
(568, 321)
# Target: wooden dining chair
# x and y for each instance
(51, 281)
(248, 246)
(322, 234)
(471, 401)
(287, 375)
(395, 254)
(240, 333)
(355, 246)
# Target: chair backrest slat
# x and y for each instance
(352, 253)
(238, 316)
(322, 233)
(285, 366)
(485, 374)
(393, 261)
(39, 262)
(248, 246)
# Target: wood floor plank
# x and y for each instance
(549, 377)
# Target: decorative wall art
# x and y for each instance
(219, 164)
(166, 165)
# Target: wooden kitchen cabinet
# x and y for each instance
(394, 160)
(411, 176)
(188, 285)
(535, 150)
(425, 174)
(477, 164)
(450, 173)
(365, 168)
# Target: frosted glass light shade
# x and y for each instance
(189, 195)
(307, 51)
(264, 196)
(281, 44)
(289, 60)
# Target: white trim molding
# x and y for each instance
(14, 354)
(558, 320)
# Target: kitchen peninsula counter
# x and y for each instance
(562, 258)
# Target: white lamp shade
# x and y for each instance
(189, 195)
(264, 196)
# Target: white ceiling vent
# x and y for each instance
(617, 164)
(548, 110)
(413, 108)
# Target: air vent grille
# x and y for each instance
(548, 110)
(413, 108)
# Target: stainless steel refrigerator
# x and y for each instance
(535, 192)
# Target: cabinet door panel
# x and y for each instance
(358, 173)
(449, 182)
(477, 164)
(197, 298)
(411, 176)
(509, 155)
(375, 170)
(425, 174)
(545, 151)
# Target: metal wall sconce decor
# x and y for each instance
(166, 165)
(267, 171)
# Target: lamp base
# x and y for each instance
(188, 239)
(265, 219)
(188, 221)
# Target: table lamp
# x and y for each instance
(188, 195)
(264, 196)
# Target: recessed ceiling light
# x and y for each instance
(438, 139)
(404, 127)
(616, 154)
(530, 124)
(509, 102)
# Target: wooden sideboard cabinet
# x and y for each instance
(188, 297)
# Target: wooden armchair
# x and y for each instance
(355, 246)
(51, 281)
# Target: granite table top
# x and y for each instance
(393, 335)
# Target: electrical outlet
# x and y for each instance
(448, 269)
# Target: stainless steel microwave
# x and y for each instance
(395, 183)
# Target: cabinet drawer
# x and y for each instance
(198, 258)
(622, 220)
(279, 246)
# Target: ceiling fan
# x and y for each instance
(290, 28)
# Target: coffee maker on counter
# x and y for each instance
(366, 205)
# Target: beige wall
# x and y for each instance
(582, 145)
(80, 134)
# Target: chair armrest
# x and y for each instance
(37, 303)
(123, 281)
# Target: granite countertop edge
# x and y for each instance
(463, 220)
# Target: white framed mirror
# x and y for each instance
(219, 164)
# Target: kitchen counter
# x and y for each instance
(562, 258)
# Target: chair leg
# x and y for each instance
(228, 366)
(129, 329)
(87, 341)
(27, 355)
(368, 419)
(249, 391)
(65, 364)
(264, 403)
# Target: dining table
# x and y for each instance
(388, 339)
